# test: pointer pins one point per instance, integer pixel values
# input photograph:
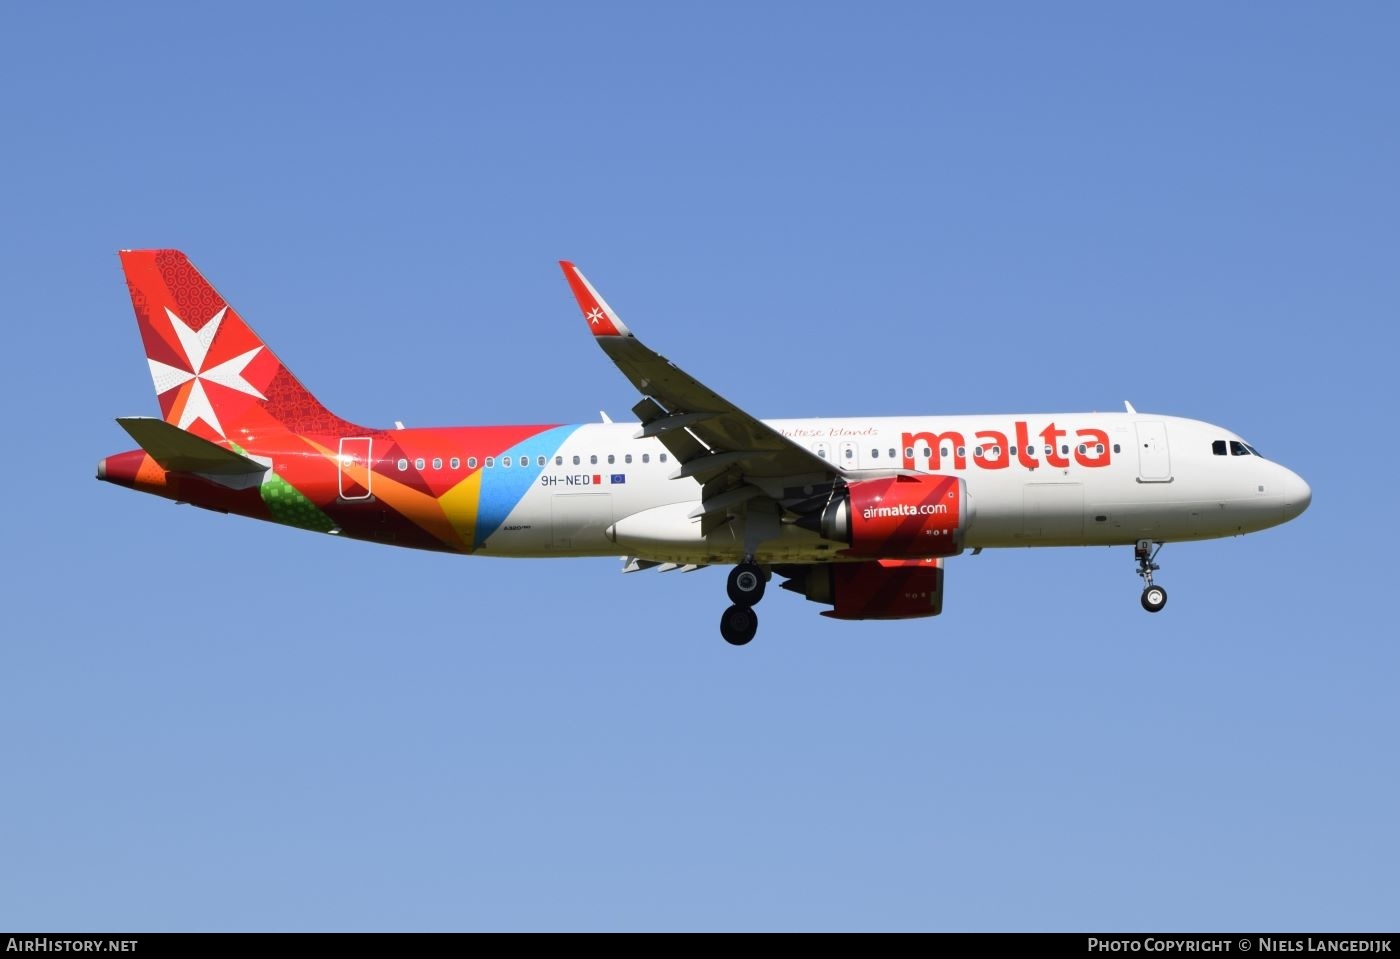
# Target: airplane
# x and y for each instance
(857, 514)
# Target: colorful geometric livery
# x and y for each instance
(216, 379)
(854, 513)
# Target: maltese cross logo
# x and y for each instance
(196, 347)
(595, 316)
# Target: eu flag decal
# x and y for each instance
(618, 478)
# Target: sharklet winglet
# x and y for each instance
(602, 321)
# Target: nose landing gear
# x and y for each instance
(1154, 597)
(747, 581)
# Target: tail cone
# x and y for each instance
(121, 468)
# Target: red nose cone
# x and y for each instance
(121, 468)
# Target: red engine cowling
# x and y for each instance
(881, 589)
(900, 516)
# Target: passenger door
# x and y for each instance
(1154, 460)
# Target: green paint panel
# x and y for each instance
(288, 506)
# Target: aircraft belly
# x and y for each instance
(1069, 510)
(1053, 511)
(669, 533)
(525, 531)
(579, 521)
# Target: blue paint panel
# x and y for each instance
(502, 487)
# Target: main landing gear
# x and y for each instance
(747, 582)
(1154, 597)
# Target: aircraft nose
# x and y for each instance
(1297, 494)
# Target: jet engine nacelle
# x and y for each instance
(899, 517)
(877, 589)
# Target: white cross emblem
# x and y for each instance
(595, 315)
(229, 373)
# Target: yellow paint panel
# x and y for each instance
(460, 503)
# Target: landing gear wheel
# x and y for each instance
(746, 584)
(1145, 552)
(738, 624)
(1154, 598)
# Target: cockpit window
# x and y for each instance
(1218, 447)
(1253, 450)
(1239, 449)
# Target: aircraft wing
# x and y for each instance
(735, 456)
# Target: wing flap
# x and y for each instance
(681, 443)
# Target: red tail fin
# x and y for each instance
(214, 376)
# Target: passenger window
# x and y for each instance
(403, 465)
(892, 453)
(558, 461)
(962, 450)
(1218, 447)
(909, 452)
(1012, 451)
(471, 462)
(874, 454)
(455, 463)
(1064, 450)
(1083, 449)
(849, 453)
(593, 460)
(977, 451)
(418, 464)
(1117, 448)
(437, 462)
(576, 460)
(539, 461)
(610, 459)
(1098, 448)
(627, 458)
(662, 457)
(821, 453)
(490, 462)
(505, 461)
(1049, 451)
(943, 452)
(646, 457)
(996, 452)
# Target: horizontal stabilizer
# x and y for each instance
(181, 452)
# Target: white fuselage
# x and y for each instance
(1064, 479)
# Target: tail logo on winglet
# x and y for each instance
(195, 346)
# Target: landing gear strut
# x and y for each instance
(1154, 597)
(747, 582)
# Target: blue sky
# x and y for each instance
(210, 723)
